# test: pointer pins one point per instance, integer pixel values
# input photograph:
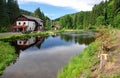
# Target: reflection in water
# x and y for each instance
(24, 44)
(78, 38)
(41, 57)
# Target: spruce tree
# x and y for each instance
(4, 18)
(116, 6)
(37, 13)
(13, 9)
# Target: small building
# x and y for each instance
(56, 27)
(24, 23)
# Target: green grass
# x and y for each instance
(20, 36)
(7, 55)
(46, 33)
(81, 64)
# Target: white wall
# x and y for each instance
(21, 23)
(31, 26)
(41, 23)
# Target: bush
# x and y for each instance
(117, 21)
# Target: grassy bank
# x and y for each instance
(20, 36)
(7, 55)
(7, 52)
(81, 64)
(45, 33)
(86, 64)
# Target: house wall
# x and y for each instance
(33, 25)
(20, 23)
(30, 25)
(41, 23)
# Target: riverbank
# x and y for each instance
(33, 34)
(7, 55)
(87, 63)
(7, 52)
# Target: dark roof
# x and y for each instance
(38, 20)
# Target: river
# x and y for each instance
(44, 57)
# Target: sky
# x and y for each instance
(57, 8)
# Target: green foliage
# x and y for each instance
(39, 14)
(4, 18)
(80, 65)
(66, 22)
(26, 12)
(13, 10)
(8, 12)
(86, 20)
(101, 14)
(117, 21)
(100, 20)
(33, 34)
(116, 6)
(7, 54)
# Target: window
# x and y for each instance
(19, 23)
(24, 23)
(20, 42)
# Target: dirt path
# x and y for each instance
(113, 66)
(8, 33)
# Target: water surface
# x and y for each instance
(44, 57)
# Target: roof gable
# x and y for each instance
(38, 20)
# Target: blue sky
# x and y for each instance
(57, 8)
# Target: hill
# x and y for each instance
(26, 12)
(106, 13)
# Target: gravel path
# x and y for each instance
(8, 33)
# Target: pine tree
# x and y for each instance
(75, 21)
(13, 9)
(116, 6)
(38, 13)
(4, 18)
(105, 12)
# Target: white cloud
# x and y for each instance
(78, 5)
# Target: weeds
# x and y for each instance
(80, 66)
(7, 54)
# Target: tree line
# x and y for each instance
(9, 11)
(105, 13)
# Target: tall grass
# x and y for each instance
(81, 64)
(7, 54)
